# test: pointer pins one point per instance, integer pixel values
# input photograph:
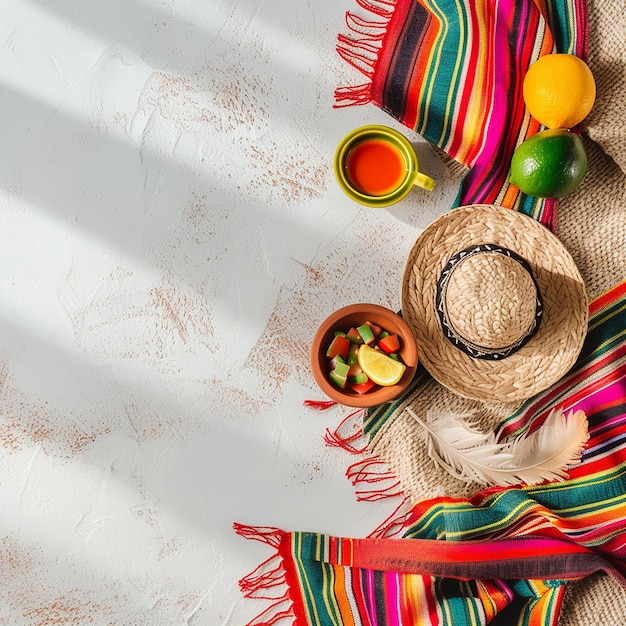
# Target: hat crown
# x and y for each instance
(488, 301)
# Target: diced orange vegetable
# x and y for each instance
(354, 336)
(338, 346)
(363, 387)
(390, 343)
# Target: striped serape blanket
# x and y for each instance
(501, 557)
(452, 70)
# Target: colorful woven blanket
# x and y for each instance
(452, 70)
(501, 557)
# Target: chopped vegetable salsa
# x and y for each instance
(364, 357)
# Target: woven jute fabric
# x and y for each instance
(592, 225)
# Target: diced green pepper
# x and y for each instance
(376, 329)
(338, 381)
(358, 379)
(366, 333)
(341, 369)
(353, 354)
(339, 375)
(336, 360)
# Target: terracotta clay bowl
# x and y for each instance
(355, 315)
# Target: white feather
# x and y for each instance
(473, 456)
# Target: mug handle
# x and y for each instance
(425, 182)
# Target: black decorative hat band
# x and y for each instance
(489, 306)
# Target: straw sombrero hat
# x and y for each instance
(496, 303)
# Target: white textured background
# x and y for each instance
(171, 235)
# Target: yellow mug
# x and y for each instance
(377, 166)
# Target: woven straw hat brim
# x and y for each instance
(551, 351)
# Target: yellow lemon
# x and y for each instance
(559, 90)
(380, 368)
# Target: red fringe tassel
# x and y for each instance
(362, 62)
(370, 477)
(320, 405)
(396, 522)
(361, 51)
(266, 576)
(365, 44)
(384, 8)
(349, 431)
(353, 96)
(265, 534)
(268, 580)
(368, 28)
(371, 473)
(367, 473)
(274, 614)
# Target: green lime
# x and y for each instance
(549, 164)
